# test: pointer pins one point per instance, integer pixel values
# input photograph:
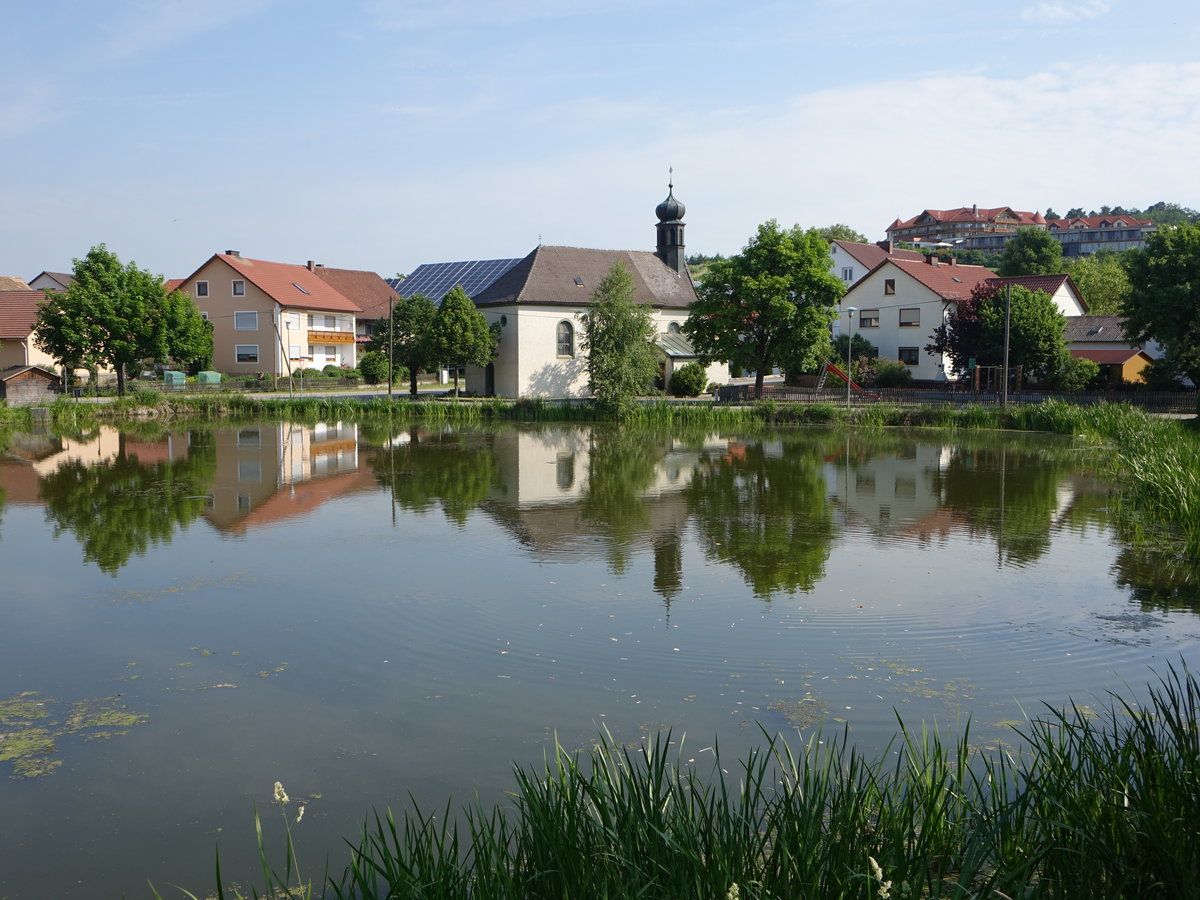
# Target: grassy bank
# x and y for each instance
(1093, 804)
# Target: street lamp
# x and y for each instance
(850, 311)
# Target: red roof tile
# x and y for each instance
(871, 255)
(1082, 222)
(289, 285)
(18, 313)
(971, 214)
(947, 281)
(373, 295)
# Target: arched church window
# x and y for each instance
(566, 339)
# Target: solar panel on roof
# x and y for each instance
(435, 280)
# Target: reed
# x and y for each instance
(1095, 804)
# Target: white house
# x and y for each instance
(900, 302)
(850, 260)
(539, 305)
(272, 317)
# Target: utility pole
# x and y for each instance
(1007, 323)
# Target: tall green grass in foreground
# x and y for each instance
(1092, 805)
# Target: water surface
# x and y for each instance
(365, 614)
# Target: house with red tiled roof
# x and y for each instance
(1062, 290)
(1085, 235)
(850, 260)
(368, 290)
(968, 227)
(275, 318)
(18, 315)
(898, 304)
(1102, 340)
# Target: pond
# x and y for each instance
(369, 615)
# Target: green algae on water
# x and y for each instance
(31, 726)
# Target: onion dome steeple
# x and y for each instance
(670, 229)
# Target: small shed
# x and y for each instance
(208, 377)
(174, 380)
(29, 386)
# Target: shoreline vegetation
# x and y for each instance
(1086, 803)
(1154, 461)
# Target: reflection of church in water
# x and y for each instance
(544, 497)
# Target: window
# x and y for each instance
(910, 317)
(201, 288)
(889, 285)
(868, 318)
(908, 356)
(564, 471)
(673, 328)
(310, 320)
(204, 315)
(293, 351)
(243, 501)
(848, 273)
(331, 353)
(249, 439)
(331, 323)
(249, 470)
(566, 339)
(245, 321)
(239, 288)
(246, 353)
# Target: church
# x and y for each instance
(538, 305)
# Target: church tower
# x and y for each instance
(670, 231)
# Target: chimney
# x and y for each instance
(953, 261)
(887, 246)
(236, 253)
(310, 265)
(932, 260)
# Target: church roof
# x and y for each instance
(567, 276)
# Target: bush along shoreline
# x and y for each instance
(1084, 804)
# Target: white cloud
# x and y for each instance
(1062, 12)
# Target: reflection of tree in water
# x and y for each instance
(1159, 579)
(621, 466)
(1009, 494)
(447, 469)
(766, 514)
(120, 507)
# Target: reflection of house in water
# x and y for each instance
(273, 471)
(564, 494)
(896, 494)
(31, 457)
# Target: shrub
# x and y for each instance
(1075, 374)
(374, 367)
(332, 371)
(892, 374)
(689, 380)
(312, 373)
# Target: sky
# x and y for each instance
(382, 134)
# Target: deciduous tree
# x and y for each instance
(1102, 280)
(975, 330)
(459, 334)
(406, 338)
(117, 316)
(618, 335)
(1164, 296)
(1031, 251)
(841, 232)
(770, 305)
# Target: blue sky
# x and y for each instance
(380, 134)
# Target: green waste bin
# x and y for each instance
(208, 378)
(174, 380)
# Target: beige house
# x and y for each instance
(273, 318)
(18, 315)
